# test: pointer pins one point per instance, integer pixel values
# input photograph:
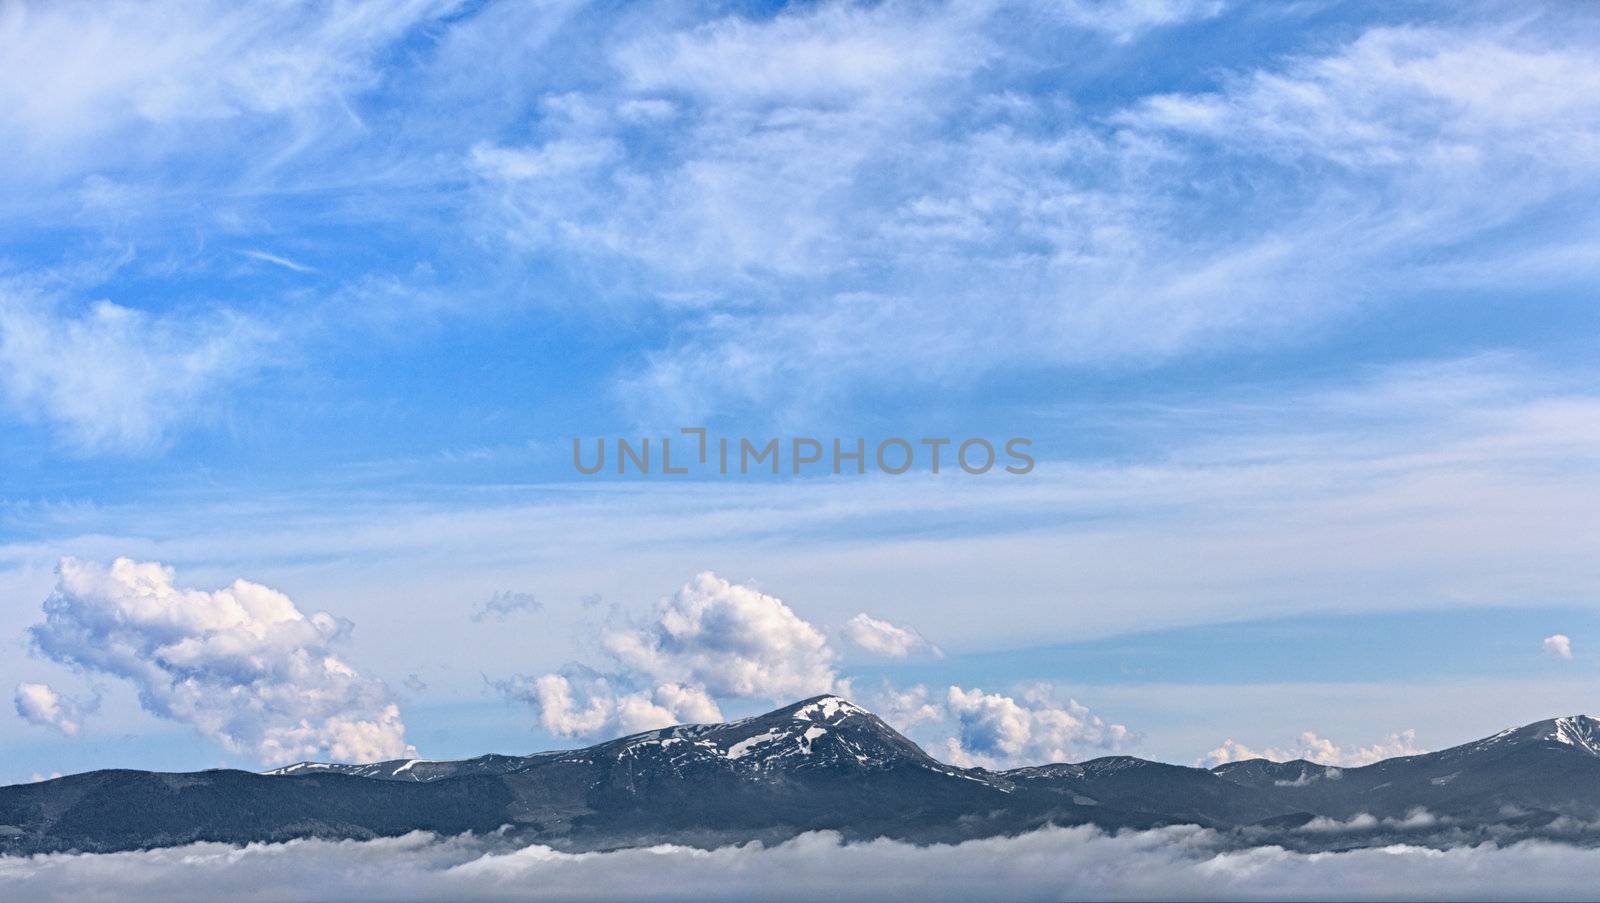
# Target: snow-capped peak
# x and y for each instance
(1579, 731)
(827, 709)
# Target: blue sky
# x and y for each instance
(1296, 301)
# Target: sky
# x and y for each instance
(301, 313)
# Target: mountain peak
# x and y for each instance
(826, 708)
(1579, 731)
(823, 731)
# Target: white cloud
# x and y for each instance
(112, 378)
(835, 52)
(242, 665)
(906, 709)
(1050, 864)
(1314, 748)
(997, 730)
(90, 83)
(1126, 19)
(710, 640)
(1405, 97)
(41, 705)
(1558, 645)
(714, 640)
(886, 639)
(733, 640)
(585, 704)
(843, 193)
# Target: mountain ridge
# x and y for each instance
(825, 763)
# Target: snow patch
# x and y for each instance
(737, 750)
(827, 709)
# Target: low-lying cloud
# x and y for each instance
(1051, 864)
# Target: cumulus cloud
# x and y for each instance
(1049, 864)
(997, 730)
(503, 605)
(113, 378)
(714, 641)
(41, 705)
(906, 709)
(583, 703)
(710, 640)
(1314, 748)
(732, 640)
(1558, 645)
(242, 665)
(886, 639)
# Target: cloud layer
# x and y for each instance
(1051, 864)
(242, 665)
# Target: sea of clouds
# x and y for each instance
(1080, 863)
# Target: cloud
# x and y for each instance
(113, 378)
(1558, 645)
(906, 709)
(997, 730)
(710, 640)
(715, 640)
(276, 260)
(93, 81)
(241, 665)
(1406, 96)
(733, 640)
(886, 639)
(803, 178)
(1321, 750)
(1049, 864)
(504, 604)
(1127, 19)
(39, 704)
(583, 703)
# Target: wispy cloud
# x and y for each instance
(276, 260)
(95, 81)
(807, 231)
(113, 378)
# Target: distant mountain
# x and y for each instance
(826, 763)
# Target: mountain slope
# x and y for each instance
(825, 763)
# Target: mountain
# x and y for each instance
(827, 764)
